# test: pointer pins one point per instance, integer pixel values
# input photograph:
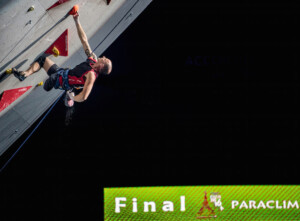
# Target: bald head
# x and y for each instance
(106, 65)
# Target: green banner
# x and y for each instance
(202, 203)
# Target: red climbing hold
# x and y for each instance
(10, 96)
(60, 46)
(74, 10)
(59, 2)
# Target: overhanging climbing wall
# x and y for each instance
(27, 34)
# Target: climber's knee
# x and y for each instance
(41, 60)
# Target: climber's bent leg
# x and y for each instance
(51, 81)
(42, 61)
(48, 64)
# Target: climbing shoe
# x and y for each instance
(18, 74)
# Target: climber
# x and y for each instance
(83, 75)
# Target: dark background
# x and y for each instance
(200, 94)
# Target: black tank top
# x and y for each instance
(77, 74)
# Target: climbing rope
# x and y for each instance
(7, 162)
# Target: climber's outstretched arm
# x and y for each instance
(83, 38)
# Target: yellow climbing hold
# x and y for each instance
(41, 83)
(55, 51)
(9, 71)
(31, 9)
